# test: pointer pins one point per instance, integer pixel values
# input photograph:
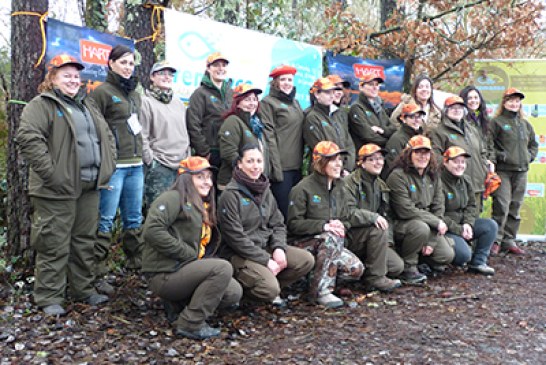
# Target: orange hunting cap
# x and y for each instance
(216, 56)
(368, 150)
(455, 151)
(513, 91)
(63, 60)
(194, 165)
(419, 142)
(244, 89)
(326, 149)
(452, 100)
(283, 70)
(324, 84)
(412, 108)
(336, 79)
(371, 77)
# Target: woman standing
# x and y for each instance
(283, 114)
(515, 148)
(254, 233)
(181, 240)
(243, 125)
(418, 206)
(460, 215)
(70, 150)
(318, 220)
(422, 94)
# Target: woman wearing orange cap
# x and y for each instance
(243, 124)
(283, 114)
(418, 206)
(422, 94)
(515, 148)
(71, 153)
(460, 215)
(322, 123)
(181, 240)
(318, 219)
(456, 130)
(254, 233)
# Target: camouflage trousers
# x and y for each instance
(332, 262)
(158, 179)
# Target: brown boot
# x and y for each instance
(383, 284)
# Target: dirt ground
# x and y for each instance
(456, 318)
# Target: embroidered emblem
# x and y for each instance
(187, 206)
(450, 196)
(368, 113)
(507, 127)
(413, 188)
(226, 133)
(60, 113)
(248, 133)
(115, 99)
(453, 136)
(324, 123)
(283, 105)
(214, 99)
(245, 201)
(363, 195)
(316, 199)
(161, 208)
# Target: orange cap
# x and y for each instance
(419, 142)
(216, 56)
(455, 151)
(326, 149)
(336, 79)
(63, 60)
(452, 100)
(324, 84)
(282, 70)
(194, 165)
(513, 91)
(371, 77)
(243, 89)
(412, 108)
(368, 150)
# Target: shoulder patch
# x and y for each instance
(214, 99)
(316, 199)
(187, 206)
(60, 113)
(161, 207)
(507, 127)
(227, 133)
(324, 123)
(413, 188)
(116, 99)
(450, 196)
(248, 133)
(245, 201)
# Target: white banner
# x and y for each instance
(252, 55)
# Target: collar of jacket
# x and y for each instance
(116, 80)
(207, 82)
(323, 180)
(325, 110)
(451, 124)
(449, 177)
(410, 131)
(282, 96)
(509, 114)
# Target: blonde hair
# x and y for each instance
(47, 84)
(501, 107)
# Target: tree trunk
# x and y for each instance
(387, 8)
(26, 43)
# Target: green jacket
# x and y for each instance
(448, 134)
(362, 118)
(514, 142)
(312, 205)
(234, 134)
(117, 106)
(250, 230)
(47, 140)
(172, 235)
(397, 142)
(460, 201)
(322, 125)
(431, 121)
(204, 115)
(416, 197)
(283, 114)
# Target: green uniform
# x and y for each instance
(418, 206)
(65, 217)
(432, 118)
(322, 124)
(460, 205)
(397, 142)
(515, 147)
(172, 235)
(362, 117)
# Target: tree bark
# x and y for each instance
(26, 42)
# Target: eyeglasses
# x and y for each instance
(165, 73)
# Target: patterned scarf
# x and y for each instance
(206, 233)
(257, 126)
(256, 187)
(164, 96)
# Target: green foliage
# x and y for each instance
(96, 15)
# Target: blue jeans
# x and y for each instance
(485, 232)
(125, 189)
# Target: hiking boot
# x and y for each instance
(96, 299)
(383, 284)
(172, 310)
(495, 249)
(202, 333)
(483, 269)
(515, 250)
(279, 302)
(54, 310)
(439, 268)
(103, 287)
(330, 301)
(412, 276)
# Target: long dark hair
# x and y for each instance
(403, 161)
(418, 79)
(188, 194)
(117, 52)
(483, 116)
(234, 110)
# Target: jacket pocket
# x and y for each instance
(42, 234)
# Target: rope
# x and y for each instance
(42, 29)
(155, 20)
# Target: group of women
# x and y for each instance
(381, 197)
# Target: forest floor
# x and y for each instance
(455, 318)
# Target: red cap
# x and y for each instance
(283, 70)
(63, 60)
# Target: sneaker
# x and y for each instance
(330, 301)
(383, 284)
(495, 249)
(483, 269)
(102, 286)
(515, 250)
(96, 299)
(279, 302)
(202, 333)
(172, 310)
(54, 310)
(412, 276)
